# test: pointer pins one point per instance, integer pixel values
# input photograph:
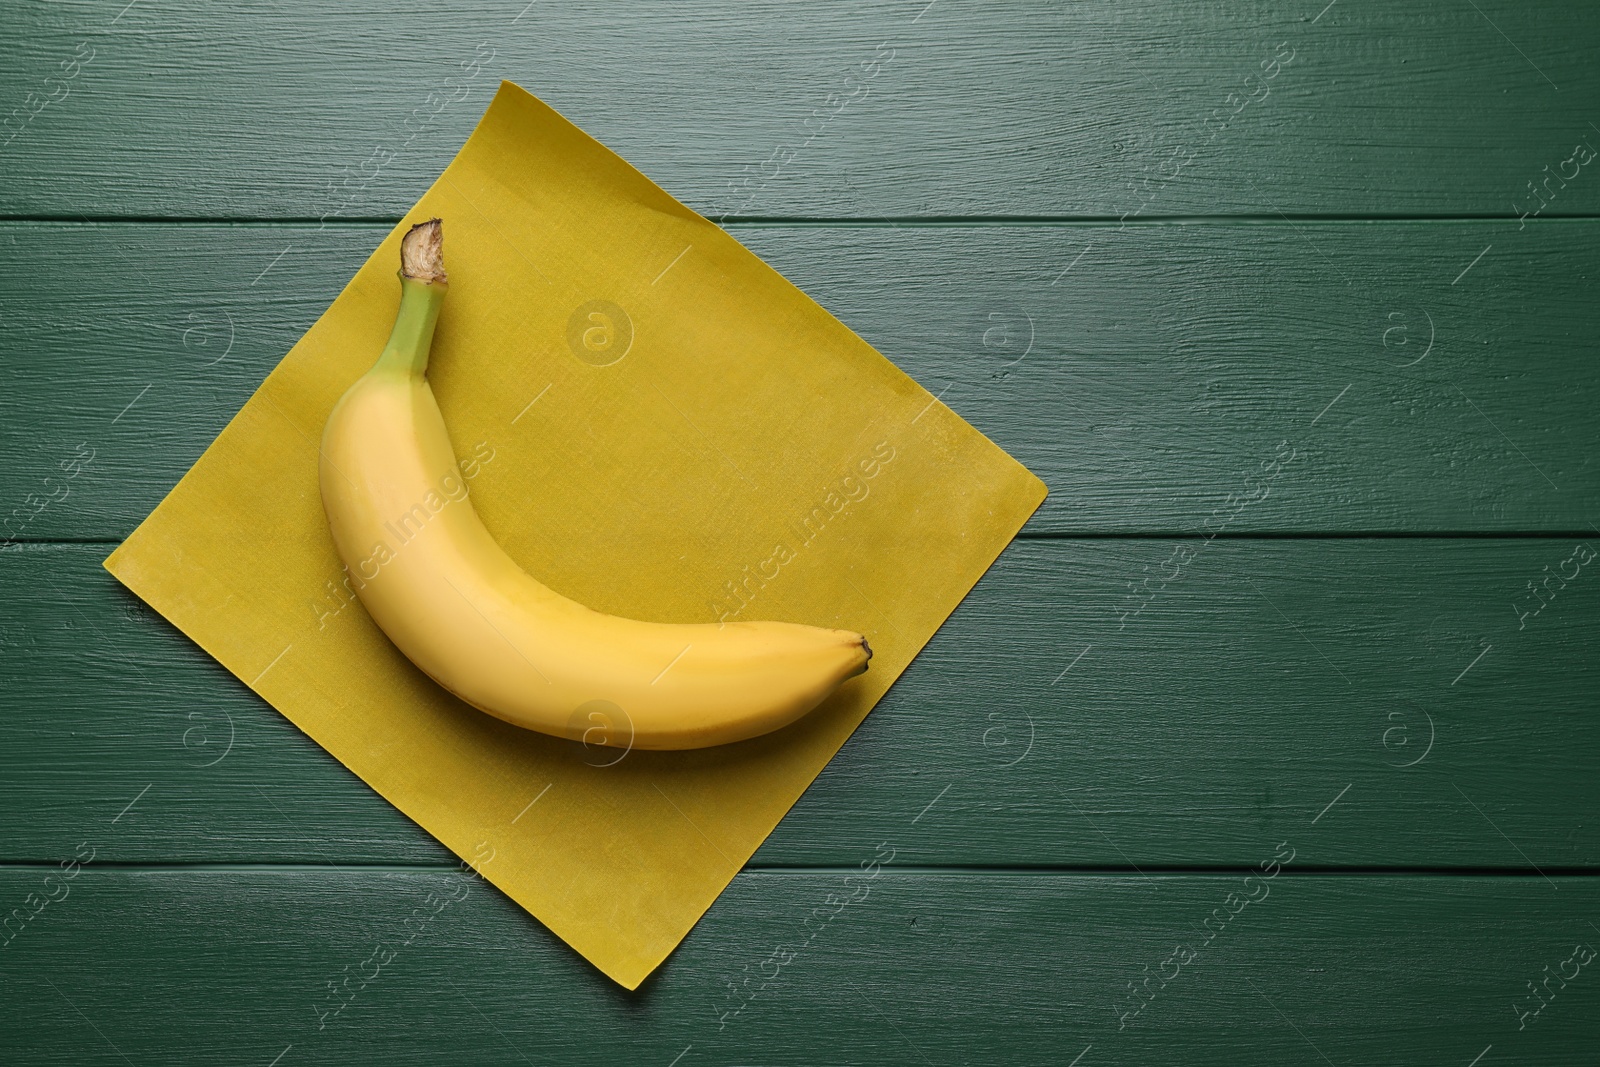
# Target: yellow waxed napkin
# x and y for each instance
(656, 424)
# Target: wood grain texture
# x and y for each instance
(1080, 767)
(301, 109)
(1268, 681)
(233, 966)
(1145, 385)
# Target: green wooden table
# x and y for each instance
(1272, 738)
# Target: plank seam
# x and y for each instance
(1115, 535)
(829, 870)
(1243, 218)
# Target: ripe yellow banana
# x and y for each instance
(448, 596)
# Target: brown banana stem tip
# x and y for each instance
(422, 252)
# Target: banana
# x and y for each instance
(433, 578)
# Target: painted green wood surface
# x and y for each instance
(233, 966)
(1269, 678)
(1058, 823)
(1144, 385)
(301, 109)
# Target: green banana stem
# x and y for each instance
(423, 285)
(407, 350)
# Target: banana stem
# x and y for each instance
(409, 344)
(423, 285)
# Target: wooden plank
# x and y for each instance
(890, 108)
(234, 966)
(1389, 683)
(1145, 384)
